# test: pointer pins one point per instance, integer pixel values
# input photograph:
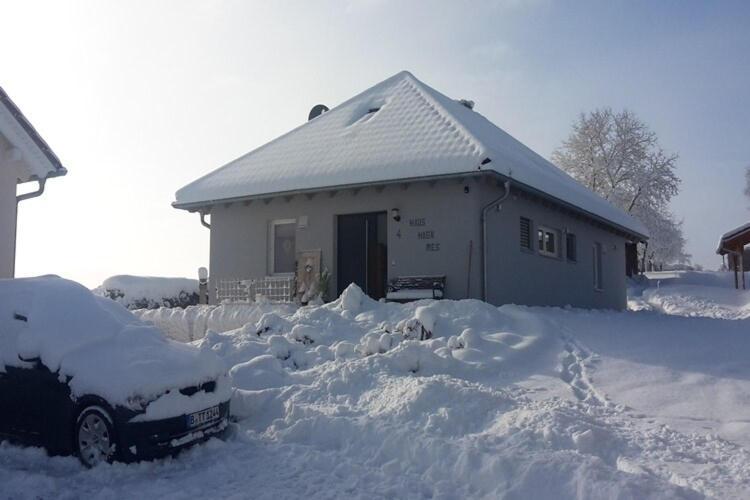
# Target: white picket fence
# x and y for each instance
(270, 288)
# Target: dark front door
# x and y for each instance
(362, 250)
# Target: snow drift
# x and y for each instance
(496, 402)
(345, 401)
(692, 293)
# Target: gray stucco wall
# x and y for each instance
(519, 276)
(240, 234)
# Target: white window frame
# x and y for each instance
(272, 245)
(598, 261)
(541, 249)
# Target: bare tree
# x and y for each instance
(747, 181)
(617, 156)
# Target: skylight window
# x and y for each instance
(368, 115)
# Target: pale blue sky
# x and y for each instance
(139, 98)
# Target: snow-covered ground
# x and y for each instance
(706, 294)
(345, 401)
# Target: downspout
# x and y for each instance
(32, 194)
(19, 199)
(203, 221)
(485, 211)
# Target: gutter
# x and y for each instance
(485, 210)
(203, 221)
(33, 194)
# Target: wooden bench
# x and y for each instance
(408, 288)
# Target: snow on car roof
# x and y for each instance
(398, 129)
(98, 343)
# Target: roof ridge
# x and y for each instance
(427, 93)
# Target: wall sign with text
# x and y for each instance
(424, 234)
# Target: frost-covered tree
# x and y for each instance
(666, 244)
(618, 156)
(747, 181)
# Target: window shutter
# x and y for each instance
(525, 233)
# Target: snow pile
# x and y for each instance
(192, 322)
(464, 338)
(696, 300)
(103, 348)
(454, 399)
(704, 294)
(456, 415)
(146, 292)
(703, 278)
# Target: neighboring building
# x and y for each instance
(402, 180)
(733, 244)
(24, 157)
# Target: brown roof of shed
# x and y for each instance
(731, 240)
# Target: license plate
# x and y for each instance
(202, 417)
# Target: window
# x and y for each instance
(598, 282)
(571, 247)
(283, 246)
(547, 241)
(525, 233)
(371, 112)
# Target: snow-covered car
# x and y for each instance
(79, 374)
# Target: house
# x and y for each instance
(733, 243)
(24, 157)
(401, 180)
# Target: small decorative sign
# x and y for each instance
(423, 234)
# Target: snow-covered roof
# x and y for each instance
(730, 235)
(40, 161)
(397, 130)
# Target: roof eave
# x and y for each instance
(198, 205)
(57, 169)
(635, 234)
(52, 173)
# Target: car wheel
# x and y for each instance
(94, 436)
